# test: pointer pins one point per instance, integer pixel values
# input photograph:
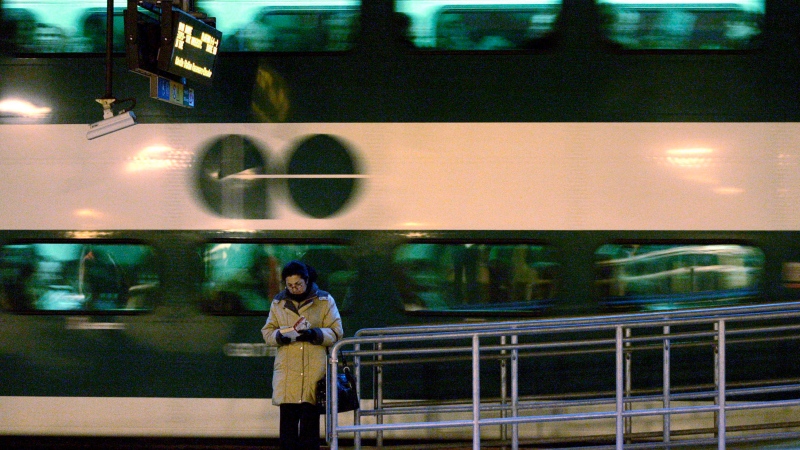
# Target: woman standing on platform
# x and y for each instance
(303, 321)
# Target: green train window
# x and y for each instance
(285, 26)
(652, 277)
(80, 277)
(60, 26)
(476, 277)
(477, 24)
(245, 277)
(67, 26)
(682, 24)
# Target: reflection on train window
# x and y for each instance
(281, 26)
(77, 277)
(480, 24)
(59, 27)
(245, 277)
(476, 277)
(681, 24)
(93, 32)
(665, 277)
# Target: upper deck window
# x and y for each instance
(61, 26)
(478, 24)
(285, 26)
(58, 26)
(80, 277)
(682, 24)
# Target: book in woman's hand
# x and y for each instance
(294, 331)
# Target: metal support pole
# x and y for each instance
(619, 388)
(476, 393)
(628, 383)
(514, 392)
(357, 412)
(503, 388)
(667, 386)
(330, 417)
(721, 420)
(378, 383)
(716, 373)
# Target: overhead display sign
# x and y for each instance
(194, 45)
(170, 43)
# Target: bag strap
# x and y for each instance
(345, 366)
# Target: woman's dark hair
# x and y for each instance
(305, 271)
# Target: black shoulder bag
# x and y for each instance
(347, 396)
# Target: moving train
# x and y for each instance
(586, 174)
(137, 269)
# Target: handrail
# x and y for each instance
(721, 312)
(580, 335)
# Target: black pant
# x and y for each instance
(299, 426)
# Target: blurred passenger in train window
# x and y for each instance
(19, 291)
(101, 280)
(500, 273)
(493, 42)
(49, 39)
(674, 29)
(254, 37)
(401, 27)
(265, 271)
(258, 37)
(541, 32)
(472, 277)
(94, 34)
(341, 30)
(452, 33)
(301, 358)
(19, 28)
(624, 28)
(741, 31)
(5, 35)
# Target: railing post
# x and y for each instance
(628, 381)
(476, 393)
(378, 402)
(331, 418)
(716, 375)
(357, 412)
(503, 388)
(721, 419)
(514, 392)
(619, 388)
(667, 386)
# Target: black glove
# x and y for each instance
(313, 335)
(282, 340)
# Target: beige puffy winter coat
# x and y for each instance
(299, 365)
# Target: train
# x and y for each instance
(576, 175)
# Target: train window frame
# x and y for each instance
(493, 303)
(682, 288)
(233, 302)
(145, 294)
(671, 26)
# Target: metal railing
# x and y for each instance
(711, 333)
